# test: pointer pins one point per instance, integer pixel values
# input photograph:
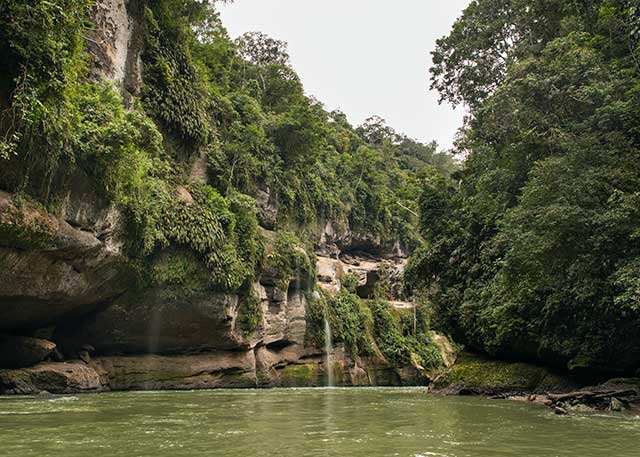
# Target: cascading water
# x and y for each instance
(328, 349)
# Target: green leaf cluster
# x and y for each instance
(532, 250)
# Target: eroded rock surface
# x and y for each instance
(150, 323)
(117, 43)
(54, 377)
(49, 268)
(152, 372)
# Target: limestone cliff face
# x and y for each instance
(74, 290)
(69, 307)
(79, 266)
(116, 44)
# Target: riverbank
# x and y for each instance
(474, 375)
(470, 375)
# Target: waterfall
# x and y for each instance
(328, 349)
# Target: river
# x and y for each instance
(304, 422)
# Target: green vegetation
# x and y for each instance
(291, 259)
(180, 272)
(350, 321)
(532, 249)
(374, 328)
(528, 252)
(249, 313)
(476, 374)
(350, 282)
(404, 338)
(302, 375)
(238, 103)
(26, 225)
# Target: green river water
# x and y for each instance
(304, 422)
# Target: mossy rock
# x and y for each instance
(25, 224)
(307, 375)
(623, 383)
(179, 272)
(473, 374)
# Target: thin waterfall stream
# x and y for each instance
(328, 349)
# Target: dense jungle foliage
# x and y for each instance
(237, 105)
(373, 327)
(533, 249)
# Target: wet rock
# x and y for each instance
(84, 356)
(616, 405)
(482, 376)
(230, 369)
(359, 376)
(560, 411)
(45, 395)
(23, 351)
(58, 378)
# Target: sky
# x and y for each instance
(364, 57)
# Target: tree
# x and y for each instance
(471, 62)
(260, 49)
(538, 247)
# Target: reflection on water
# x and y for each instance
(304, 422)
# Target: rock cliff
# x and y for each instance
(78, 313)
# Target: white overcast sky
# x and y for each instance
(364, 57)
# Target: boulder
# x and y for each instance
(54, 377)
(477, 375)
(328, 273)
(23, 351)
(448, 350)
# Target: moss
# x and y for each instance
(197, 218)
(238, 380)
(173, 91)
(388, 335)
(351, 321)
(41, 53)
(316, 310)
(249, 313)
(306, 375)
(290, 259)
(626, 381)
(555, 382)
(371, 328)
(481, 375)
(349, 318)
(180, 273)
(25, 224)
(350, 282)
